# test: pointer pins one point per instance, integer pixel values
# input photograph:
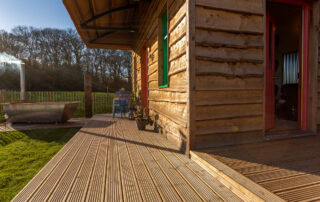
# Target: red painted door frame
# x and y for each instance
(144, 77)
(303, 67)
(270, 69)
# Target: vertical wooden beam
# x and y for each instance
(23, 82)
(88, 95)
(134, 70)
(144, 77)
(191, 76)
(264, 3)
(3, 96)
(313, 67)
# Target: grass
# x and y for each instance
(23, 154)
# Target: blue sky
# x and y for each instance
(37, 13)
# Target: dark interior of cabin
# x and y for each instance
(287, 21)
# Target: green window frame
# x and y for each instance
(164, 39)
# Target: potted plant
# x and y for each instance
(142, 119)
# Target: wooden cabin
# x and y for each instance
(215, 72)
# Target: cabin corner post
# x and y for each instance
(264, 5)
(313, 72)
(133, 72)
(190, 50)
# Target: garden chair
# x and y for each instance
(121, 103)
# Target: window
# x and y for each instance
(291, 68)
(163, 43)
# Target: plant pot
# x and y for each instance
(141, 124)
(131, 115)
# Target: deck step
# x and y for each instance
(279, 135)
(240, 185)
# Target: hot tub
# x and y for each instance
(41, 112)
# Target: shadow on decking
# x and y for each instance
(132, 142)
(285, 167)
(99, 124)
(280, 153)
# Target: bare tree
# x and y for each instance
(57, 59)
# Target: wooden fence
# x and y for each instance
(101, 102)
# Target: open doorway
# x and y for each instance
(284, 70)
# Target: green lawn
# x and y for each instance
(23, 154)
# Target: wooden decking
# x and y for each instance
(110, 160)
(289, 168)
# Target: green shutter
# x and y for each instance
(165, 50)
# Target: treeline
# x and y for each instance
(56, 60)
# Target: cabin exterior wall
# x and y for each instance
(230, 72)
(216, 92)
(315, 60)
(314, 73)
(229, 81)
(168, 106)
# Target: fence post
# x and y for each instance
(94, 103)
(3, 96)
(88, 95)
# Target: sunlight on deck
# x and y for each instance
(110, 160)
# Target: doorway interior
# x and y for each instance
(285, 69)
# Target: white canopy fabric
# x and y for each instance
(9, 59)
(6, 59)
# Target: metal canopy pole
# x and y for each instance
(22, 82)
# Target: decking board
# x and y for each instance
(189, 176)
(27, 191)
(146, 184)
(97, 184)
(110, 160)
(65, 182)
(168, 191)
(54, 178)
(80, 186)
(203, 175)
(182, 186)
(113, 192)
(130, 186)
(290, 168)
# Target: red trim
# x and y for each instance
(304, 52)
(294, 2)
(304, 89)
(300, 70)
(144, 77)
(269, 91)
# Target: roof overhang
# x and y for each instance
(112, 24)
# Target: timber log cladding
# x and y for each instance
(229, 80)
(318, 107)
(168, 106)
